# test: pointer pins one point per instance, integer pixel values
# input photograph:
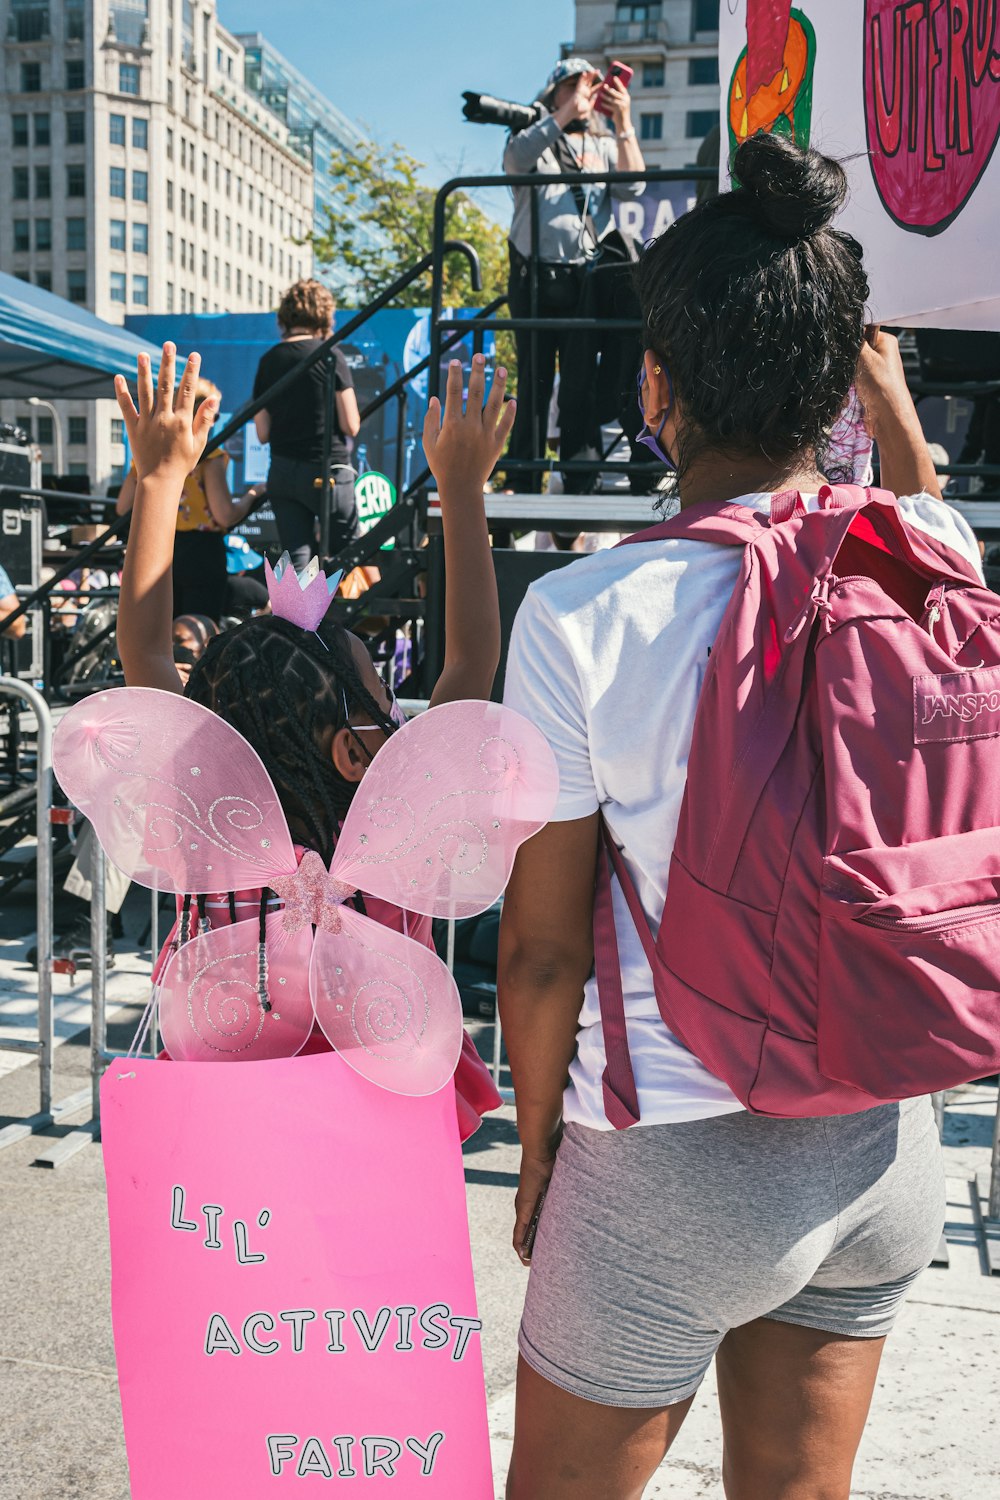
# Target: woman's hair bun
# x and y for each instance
(795, 193)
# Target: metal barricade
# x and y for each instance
(41, 1047)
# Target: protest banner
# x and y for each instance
(907, 94)
(292, 1286)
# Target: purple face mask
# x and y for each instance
(651, 440)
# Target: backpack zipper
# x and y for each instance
(964, 916)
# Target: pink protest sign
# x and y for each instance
(292, 1283)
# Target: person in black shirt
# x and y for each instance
(294, 423)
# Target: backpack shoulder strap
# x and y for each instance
(621, 1103)
(726, 524)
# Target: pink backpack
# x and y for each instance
(831, 934)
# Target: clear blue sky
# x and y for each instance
(400, 66)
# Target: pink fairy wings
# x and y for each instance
(181, 802)
(444, 808)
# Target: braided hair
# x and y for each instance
(288, 693)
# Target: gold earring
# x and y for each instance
(657, 370)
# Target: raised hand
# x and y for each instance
(463, 446)
(167, 436)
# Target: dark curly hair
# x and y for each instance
(757, 306)
(286, 690)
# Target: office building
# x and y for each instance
(673, 46)
(143, 174)
(317, 130)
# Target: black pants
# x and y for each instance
(296, 500)
(598, 382)
(199, 574)
(536, 360)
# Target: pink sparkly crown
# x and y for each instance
(301, 598)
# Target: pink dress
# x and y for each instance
(475, 1092)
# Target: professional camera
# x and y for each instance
(482, 109)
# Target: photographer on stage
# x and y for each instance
(575, 228)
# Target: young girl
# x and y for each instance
(780, 1248)
(312, 704)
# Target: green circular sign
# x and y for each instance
(375, 495)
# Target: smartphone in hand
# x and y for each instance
(618, 71)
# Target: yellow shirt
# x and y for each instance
(193, 511)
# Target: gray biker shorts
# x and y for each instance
(654, 1242)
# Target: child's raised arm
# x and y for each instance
(462, 450)
(167, 438)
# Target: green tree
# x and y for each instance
(384, 223)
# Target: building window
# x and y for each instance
(21, 181)
(703, 70)
(140, 134)
(128, 79)
(140, 239)
(76, 286)
(74, 74)
(117, 234)
(46, 431)
(204, 265)
(22, 234)
(170, 247)
(170, 93)
(19, 130)
(170, 296)
(116, 130)
(204, 217)
(204, 166)
(43, 182)
(117, 180)
(76, 234)
(31, 78)
(706, 16)
(239, 282)
(652, 75)
(651, 127)
(76, 469)
(29, 22)
(117, 430)
(140, 187)
(78, 431)
(170, 195)
(184, 203)
(140, 290)
(43, 280)
(76, 180)
(700, 122)
(43, 234)
(74, 20)
(43, 131)
(170, 145)
(76, 129)
(118, 286)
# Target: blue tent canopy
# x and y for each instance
(50, 347)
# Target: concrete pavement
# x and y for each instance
(932, 1435)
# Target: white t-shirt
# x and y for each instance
(607, 658)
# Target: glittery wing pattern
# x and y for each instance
(179, 800)
(387, 1004)
(210, 1009)
(443, 808)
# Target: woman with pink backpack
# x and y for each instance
(765, 1208)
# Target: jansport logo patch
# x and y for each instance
(956, 706)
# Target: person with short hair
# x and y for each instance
(295, 423)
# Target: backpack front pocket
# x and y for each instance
(909, 965)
